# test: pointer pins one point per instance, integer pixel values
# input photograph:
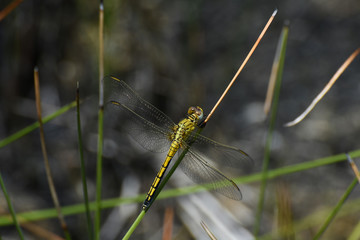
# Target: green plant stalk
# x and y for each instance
(99, 174)
(35, 125)
(282, 47)
(134, 225)
(101, 123)
(336, 209)
(11, 208)
(37, 215)
(82, 167)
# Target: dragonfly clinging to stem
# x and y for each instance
(156, 132)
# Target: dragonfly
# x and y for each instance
(156, 132)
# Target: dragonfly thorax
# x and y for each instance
(181, 131)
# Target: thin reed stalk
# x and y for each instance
(100, 123)
(325, 90)
(242, 65)
(282, 50)
(9, 8)
(82, 166)
(11, 208)
(336, 209)
(46, 160)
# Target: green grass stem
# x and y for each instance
(37, 215)
(134, 225)
(99, 173)
(336, 209)
(35, 125)
(100, 123)
(82, 167)
(280, 58)
(11, 208)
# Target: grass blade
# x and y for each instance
(100, 123)
(37, 215)
(336, 209)
(9, 8)
(208, 231)
(46, 160)
(11, 208)
(243, 64)
(82, 166)
(35, 125)
(134, 225)
(353, 167)
(342, 200)
(325, 90)
(281, 49)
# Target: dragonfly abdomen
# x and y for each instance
(174, 147)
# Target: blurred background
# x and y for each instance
(176, 54)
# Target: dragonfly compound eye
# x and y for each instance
(199, 112)
(191, 110)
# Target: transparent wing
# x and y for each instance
(200, 171)
(221, 154)
(149, 126)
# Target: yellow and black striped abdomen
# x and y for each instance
(174, 147)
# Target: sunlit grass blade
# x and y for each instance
(208, 231)
(82, 166)
(45, 156)
(325, 90)
(11, 208)
(242, 65)
(282, 50)
(35, 125)
(100, 123)
(37, 215)
(9, 8)
(273, 76)
(354, 167)
(336, 209)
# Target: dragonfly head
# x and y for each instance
(197, 112)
